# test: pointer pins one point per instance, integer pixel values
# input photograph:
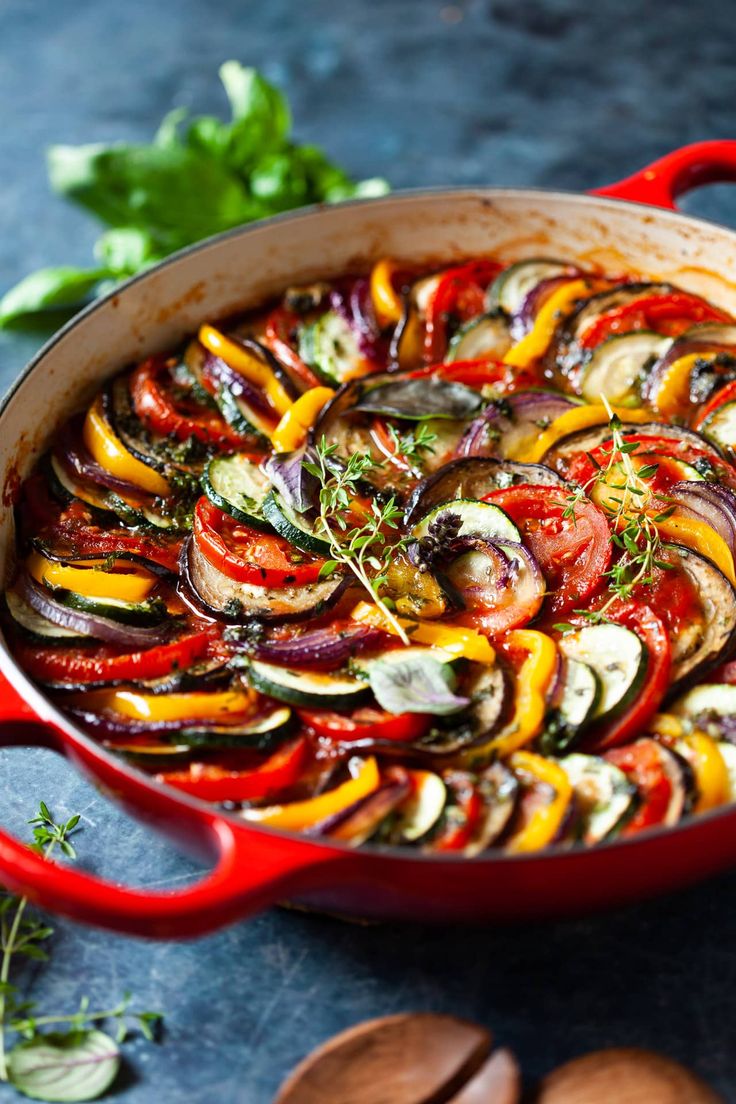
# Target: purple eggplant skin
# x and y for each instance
(199, 583)
(474, 477)
(360, 820)
(718, 601)
(261, 352)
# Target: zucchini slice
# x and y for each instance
(720, 427)
(604, 796)
(260, 734)
(511, 287)
(331, 348)
(617, 656)
(479, 519)
(325, 689)
(487, 336)
(712, 706)
(237, 485)
(65, 486)
(574, 704)
(151, 612)
(617, 368)
(294, 527)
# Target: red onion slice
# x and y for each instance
(101, 628)
(523, 320)
(215, 370)
(509, 427)
(709, 502)
(325, 649)
(74, 455)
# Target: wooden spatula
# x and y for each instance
(624, 1076)
(417, 1058)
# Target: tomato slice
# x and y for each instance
(641, 762)
(642, 620)
(107, 664)
(573, 552)
(217, 783)
(726, 394)
(670, 315)
(460, 295)
(366, 724)
(663, 451)
(281, 326)
(170, 412)
(462, 816)
(249, 555)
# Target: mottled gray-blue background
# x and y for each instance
(548, 92)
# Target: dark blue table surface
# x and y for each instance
(558, 93)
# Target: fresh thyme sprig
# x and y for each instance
(627, 501)
(22, 933)
(414, 445)
(363, 549)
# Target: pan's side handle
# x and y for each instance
(253, 869)
(660, 183)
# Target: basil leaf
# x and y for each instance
(126, 250)
(80, 1065)
(416, 399)
(261, 115)
(50, 289)
(177, 193)
(416, 684)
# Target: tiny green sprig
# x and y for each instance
(363, 549)
(22, 932)
(627, 504)
(415, 445)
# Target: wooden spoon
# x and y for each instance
(497, 1082)
(624, 1076)
(417, 1058)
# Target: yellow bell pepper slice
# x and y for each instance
(534, 344)
(465, 643)
(295, 423)
(545, 821)
(134, 585)
(699, 536)
(532, 683)
(196, 705)
(303, 814)
(704, 756)
(249, 366)
(386, 301)
(110, 452)
(580, 417)
(674, 387)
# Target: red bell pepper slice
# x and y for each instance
(641, 762)
(217, 783)
(724, 395)
(366, 724)
(280, 326)
(170, 416)
(460, 294)
(667, 314)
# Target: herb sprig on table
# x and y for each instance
(74, 1061)
(197, 177)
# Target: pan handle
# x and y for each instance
(660, 183)
(253, 869)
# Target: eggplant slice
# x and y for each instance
(473, 477)
(237, 603)
(699, 646)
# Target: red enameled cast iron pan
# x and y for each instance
(254, 867)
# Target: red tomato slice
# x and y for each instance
(281, 327)
(107, 664)
(652, 630)
(641, 762)
(248, 555)
(462, 816)
(652, 450)
(726, 394)
(573, 553)
(175, 415)
(460, 294)
(366, 724)
(666, 314)
(217, 783)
